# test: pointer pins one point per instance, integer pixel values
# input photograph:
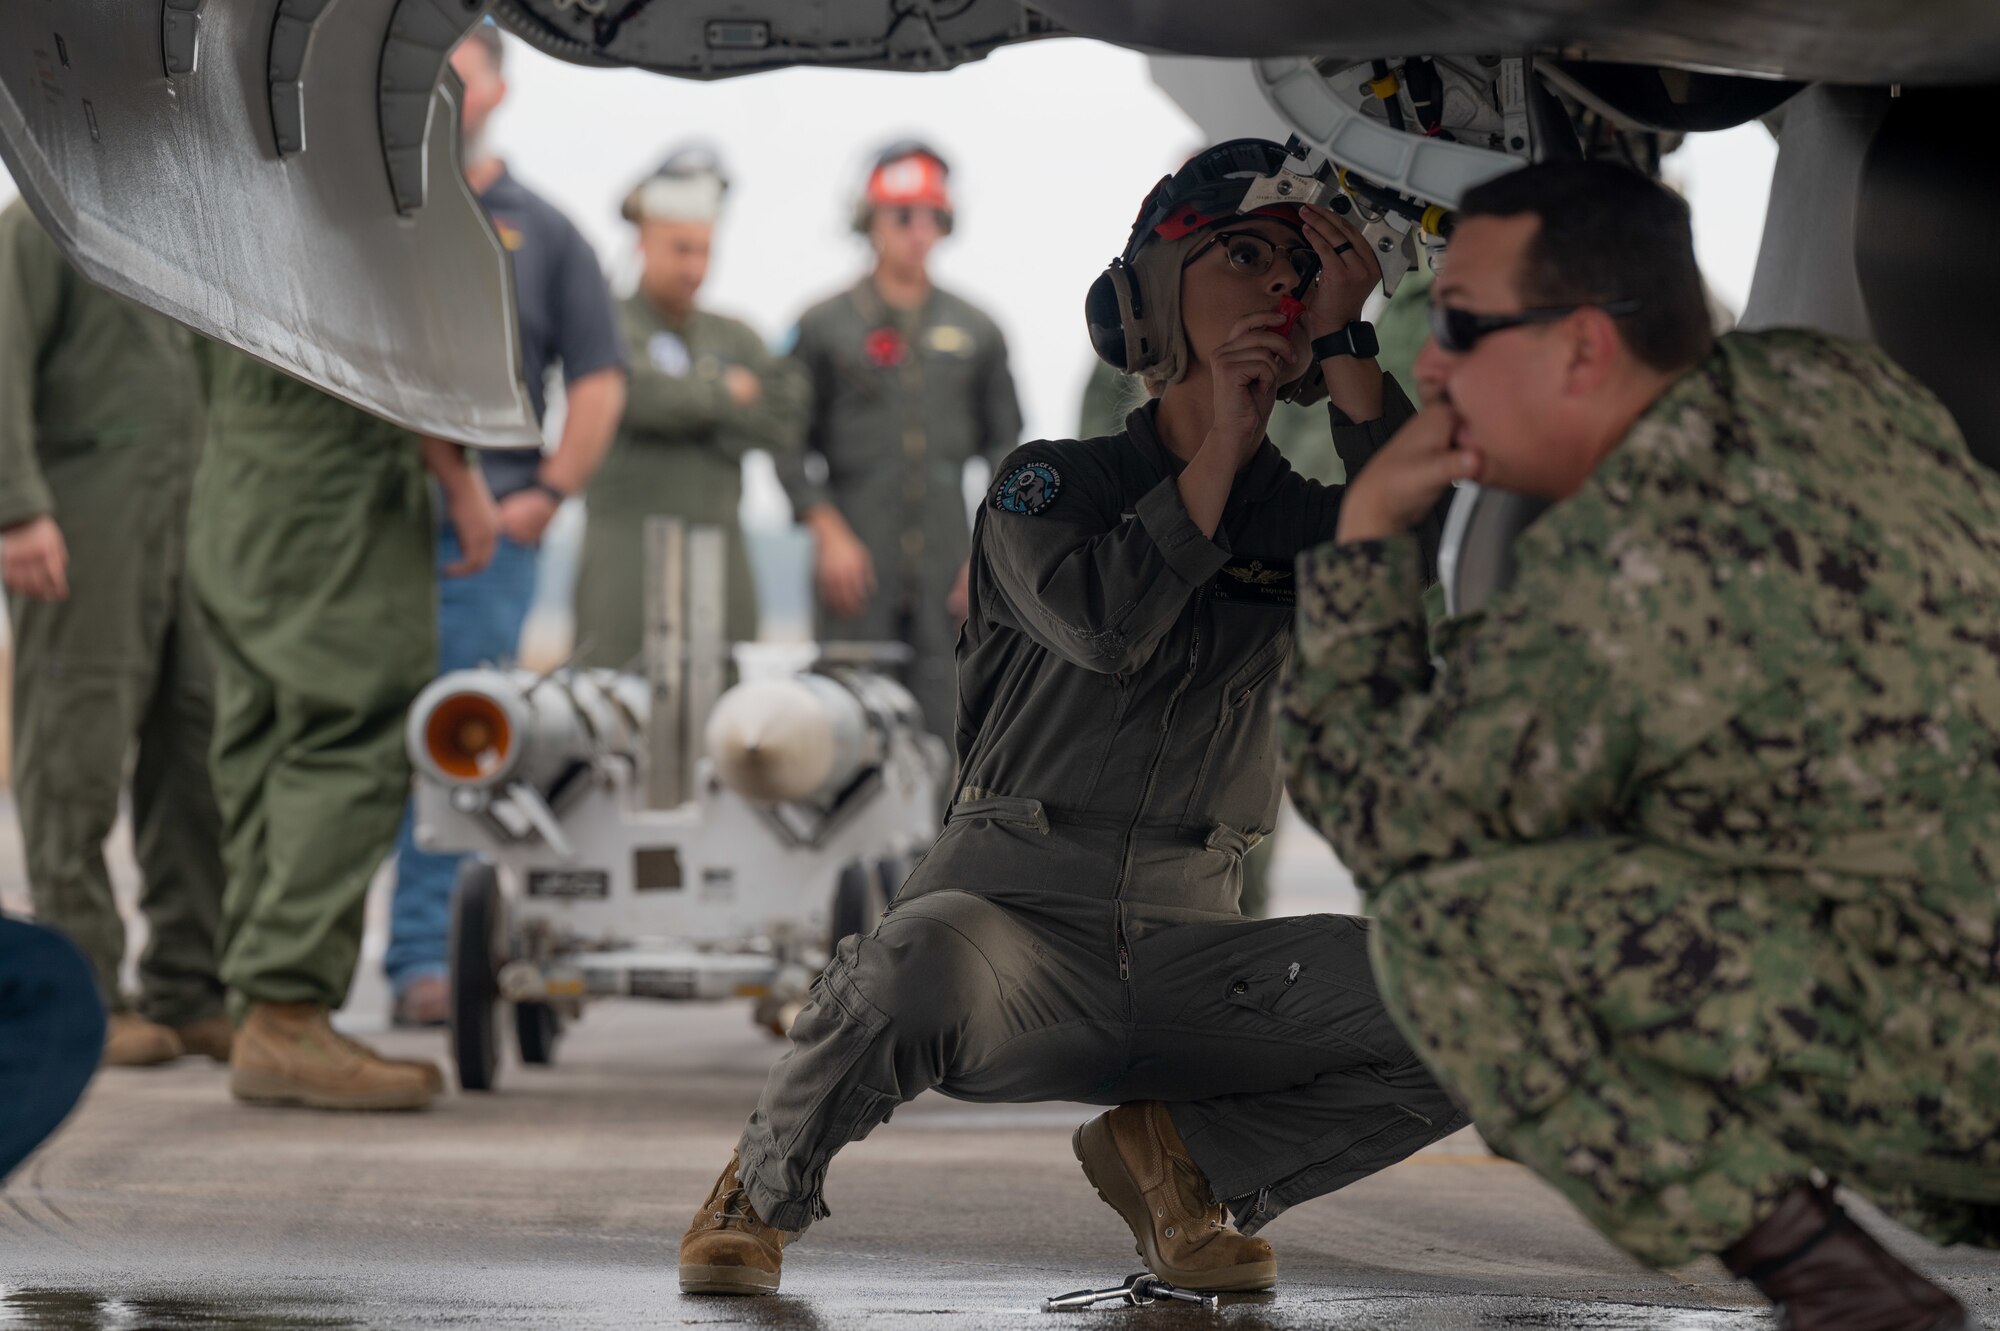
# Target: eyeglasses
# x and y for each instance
(1459, 330)
(1251, 254)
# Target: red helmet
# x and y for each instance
(906, 175)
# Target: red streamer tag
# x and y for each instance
(1293, 310)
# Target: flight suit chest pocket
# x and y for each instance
(1240, 735)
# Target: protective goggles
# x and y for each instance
(1457, 330)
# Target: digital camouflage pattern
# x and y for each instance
(1685, 853)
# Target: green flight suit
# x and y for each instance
(901, 401)
(1683, 848)
(679, 453)
(1304, 435)
(311, 551)
(101, 427)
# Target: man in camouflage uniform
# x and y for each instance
(100, 430)
(1683, 852)
(704, 390)
(908, 383)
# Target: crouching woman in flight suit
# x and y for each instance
(1073, 933)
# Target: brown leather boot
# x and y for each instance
(212, 1036)
(289, 1054)
(130, 1041)
(727, 1249)
(1826, 1274)
(1134, 1158)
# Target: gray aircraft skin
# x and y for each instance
(280, 174)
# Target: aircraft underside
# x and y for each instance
(281, 174)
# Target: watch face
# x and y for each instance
(1362, 337)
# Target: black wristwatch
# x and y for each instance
(554, 494)
(1356, 340)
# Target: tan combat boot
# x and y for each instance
(1134, 1158)
(130, 1041)
(289, 1054)
(727, 1249)
(212, 1036)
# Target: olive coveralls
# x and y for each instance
(311, 551)
(901, 400)
(679, 453)
(1073, 933)
(101, 428)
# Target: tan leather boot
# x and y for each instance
(1826, 1273)
(212, 1036)
(1134, 1158)
(130, 1041)
(727, 1249)
(289, 1054)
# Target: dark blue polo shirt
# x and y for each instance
(565, 309)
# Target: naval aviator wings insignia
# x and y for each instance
(1256, 582)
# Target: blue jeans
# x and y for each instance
(479, 623)
(51, 1033)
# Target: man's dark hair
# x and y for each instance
(1608, 233)
(487, 34)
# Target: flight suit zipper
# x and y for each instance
(1152, 775)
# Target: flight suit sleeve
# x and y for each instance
(673, 407)
(1096, 587)
(1520, 738)
(32, 277)
(1356, 444)
(999, 406)
(812, 378)
(776, 420)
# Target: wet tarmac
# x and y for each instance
(557, 1201)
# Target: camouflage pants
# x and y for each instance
(1673, 1045)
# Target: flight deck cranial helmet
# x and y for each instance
(687, 187)
(1133, 309)
(909, 173)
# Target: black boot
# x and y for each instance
(1826, 1274)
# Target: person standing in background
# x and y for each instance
(565, 319)
(100, 431)
(909, 382)
(703, 391)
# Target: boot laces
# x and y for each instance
(1193, 1188)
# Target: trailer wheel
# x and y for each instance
(857, 903)
(475, 949)
(537, 1026)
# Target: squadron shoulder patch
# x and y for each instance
(1027, 489)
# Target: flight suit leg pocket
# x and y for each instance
(1310, 978)
(832, 1040)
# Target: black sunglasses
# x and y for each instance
(1459, 330)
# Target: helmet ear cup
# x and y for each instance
(1112, 311)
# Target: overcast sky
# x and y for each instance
(1053, 144)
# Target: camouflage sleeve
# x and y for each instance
(1400, 764)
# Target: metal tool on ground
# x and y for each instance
(1139, 1289)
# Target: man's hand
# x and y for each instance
(1348, 271)
(1248, 367)
(34, 562)
(525, 515)
(468, 503)
(743, 387)
(845, 570)
(1401, 483)
(960, 597)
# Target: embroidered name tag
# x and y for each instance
(1256, 582)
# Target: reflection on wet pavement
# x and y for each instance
(83, 1310)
